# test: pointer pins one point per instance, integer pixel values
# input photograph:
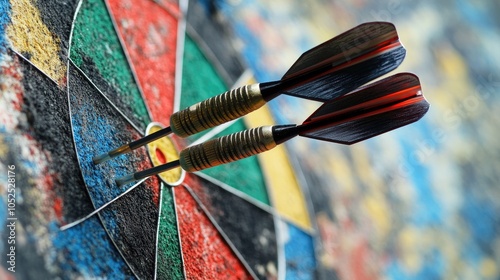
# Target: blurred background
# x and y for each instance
(421, 202)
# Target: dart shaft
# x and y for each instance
(146, 173)
(131, 146)
(150, 138)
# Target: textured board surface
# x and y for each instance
(117, 80)
(417, 203)
(45, 165)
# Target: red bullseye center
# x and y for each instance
(161, 156)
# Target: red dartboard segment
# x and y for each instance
(150, 42)
(205, 250)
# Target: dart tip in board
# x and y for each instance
(132, 145)
(101, 158)
(111, 154)
(129, 178)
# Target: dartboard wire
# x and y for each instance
(79, 161)
(158, 232)
(179, 53)
(140, 131)
(129, 60)
(70, 40)
(36, 67)
(281, 232)
(81, 220)
(178, 232)
(77, 11)
(219, 229)
(172, 13)
(277, 217)
(261, 205)
(179, 57)
(179, 61)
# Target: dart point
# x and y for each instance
(125, 180)
(109, 155)
(101, 158)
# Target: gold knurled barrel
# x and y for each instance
(227, 148)
(217, 110)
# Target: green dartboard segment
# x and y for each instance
(199, 82)
(96, 50)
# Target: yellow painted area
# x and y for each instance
(3, 147)
(339, 165)
(287, 196)
(456, 85)
(166, 147)
(377, 208)
(29, 35)
(364, 168)
(489, 268)
(409, 243)
(374, 201)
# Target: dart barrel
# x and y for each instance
(217, 110)
(228, 148)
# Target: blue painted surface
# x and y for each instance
(3, 218)
(481, 216)
(88, 251)
(103, 130)
(299, 254)
(100, 129)
(4, 20)
(432, 269)
(84, 250)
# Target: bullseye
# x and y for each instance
(162, 151)
(160, 156)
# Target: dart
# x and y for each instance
(322, 73)
(367, 112)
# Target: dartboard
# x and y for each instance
(80, 78)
